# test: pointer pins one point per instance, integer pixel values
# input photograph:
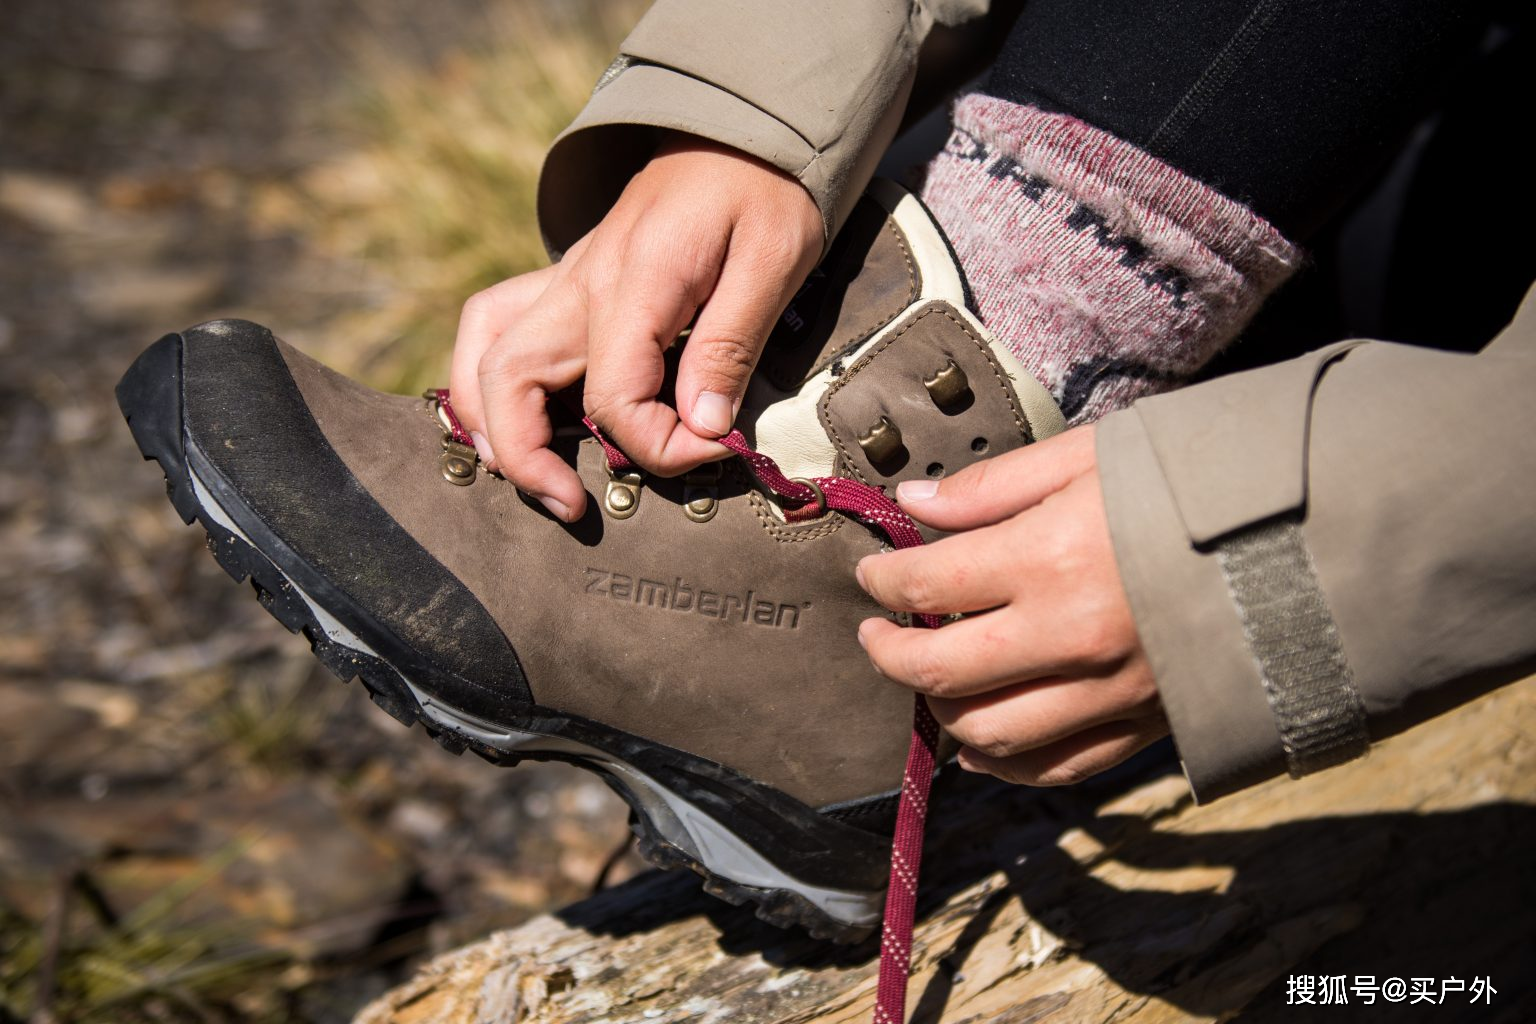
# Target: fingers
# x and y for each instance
(963, 573)
(619, 300)
(485, 317)
(616, 303)
(760, 274)
(994, 489)
(648, 301)
(1027, 716)
(971, 656)
(1073, 759)
(542, 353)
(1045, 623)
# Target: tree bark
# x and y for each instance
(1117, 900)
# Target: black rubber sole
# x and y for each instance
(151, 400)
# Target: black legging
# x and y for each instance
(1287, 105)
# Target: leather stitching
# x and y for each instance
(782, 532)
(786, 383)
(865, 335)
(999, 378)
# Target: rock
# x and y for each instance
(126, 292)
(348, 181)
(282, 868)
(421, 820)
(45, 202)
(34, 722)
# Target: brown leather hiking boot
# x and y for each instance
(691, 640)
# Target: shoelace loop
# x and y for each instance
(455, 428)
(808, 500)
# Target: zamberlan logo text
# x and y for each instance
(683, 597)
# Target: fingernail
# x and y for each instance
(916, 490)
(862, 642)
(561, 511)
(858, 574)
(714, 412)
(482, 447)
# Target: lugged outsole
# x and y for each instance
(783, 908)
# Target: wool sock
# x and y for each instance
(1109, 273)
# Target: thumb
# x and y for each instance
(726, 341)
(995, 489)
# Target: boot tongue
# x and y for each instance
(879, 370)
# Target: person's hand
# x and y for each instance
(702, 230)
(1048, 684)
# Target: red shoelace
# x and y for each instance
(807, 499)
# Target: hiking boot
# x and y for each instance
(691, 640)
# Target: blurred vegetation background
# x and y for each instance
(196, 822)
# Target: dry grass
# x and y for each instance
(439, 194)
(142, 967)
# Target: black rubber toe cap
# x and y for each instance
(221, 395)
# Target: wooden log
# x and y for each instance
(1113, 901)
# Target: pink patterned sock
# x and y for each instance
(1110, 274)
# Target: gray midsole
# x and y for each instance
(684, 825)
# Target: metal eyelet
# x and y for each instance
(621, 499)
(821, 496)
(949, 387)
(701, 493)
(457, 462)
(881, 442)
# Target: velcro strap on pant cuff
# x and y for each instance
(1295, 641)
